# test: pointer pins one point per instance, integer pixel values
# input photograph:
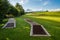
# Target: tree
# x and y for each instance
(20, 9)
(13, 11)
(4, 7)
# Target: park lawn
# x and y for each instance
(22, 30)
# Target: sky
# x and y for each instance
(38, 5)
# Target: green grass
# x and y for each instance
(54, 14)
(22, 30)
(3, 22)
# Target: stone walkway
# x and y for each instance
(10, 24)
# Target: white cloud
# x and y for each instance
(23, 1)
(54, 10)
(45, 3)
(33, 9)
(13, 2)
(36, 9)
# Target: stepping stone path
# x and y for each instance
(37, 29)
(10, 24)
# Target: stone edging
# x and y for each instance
(11, 20)
(31, 31)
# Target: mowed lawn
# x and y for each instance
(50, 20)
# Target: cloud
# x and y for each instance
(13, 2)
(23, 1)
(45, 3)
(37, 9)
(33, 9)
(54, 10)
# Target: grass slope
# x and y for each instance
(22, 30)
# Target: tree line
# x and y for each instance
(8, 10)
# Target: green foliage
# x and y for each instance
(1, 17)
(13, 11)
(20, 9)
(6, 9)
(4, 5)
